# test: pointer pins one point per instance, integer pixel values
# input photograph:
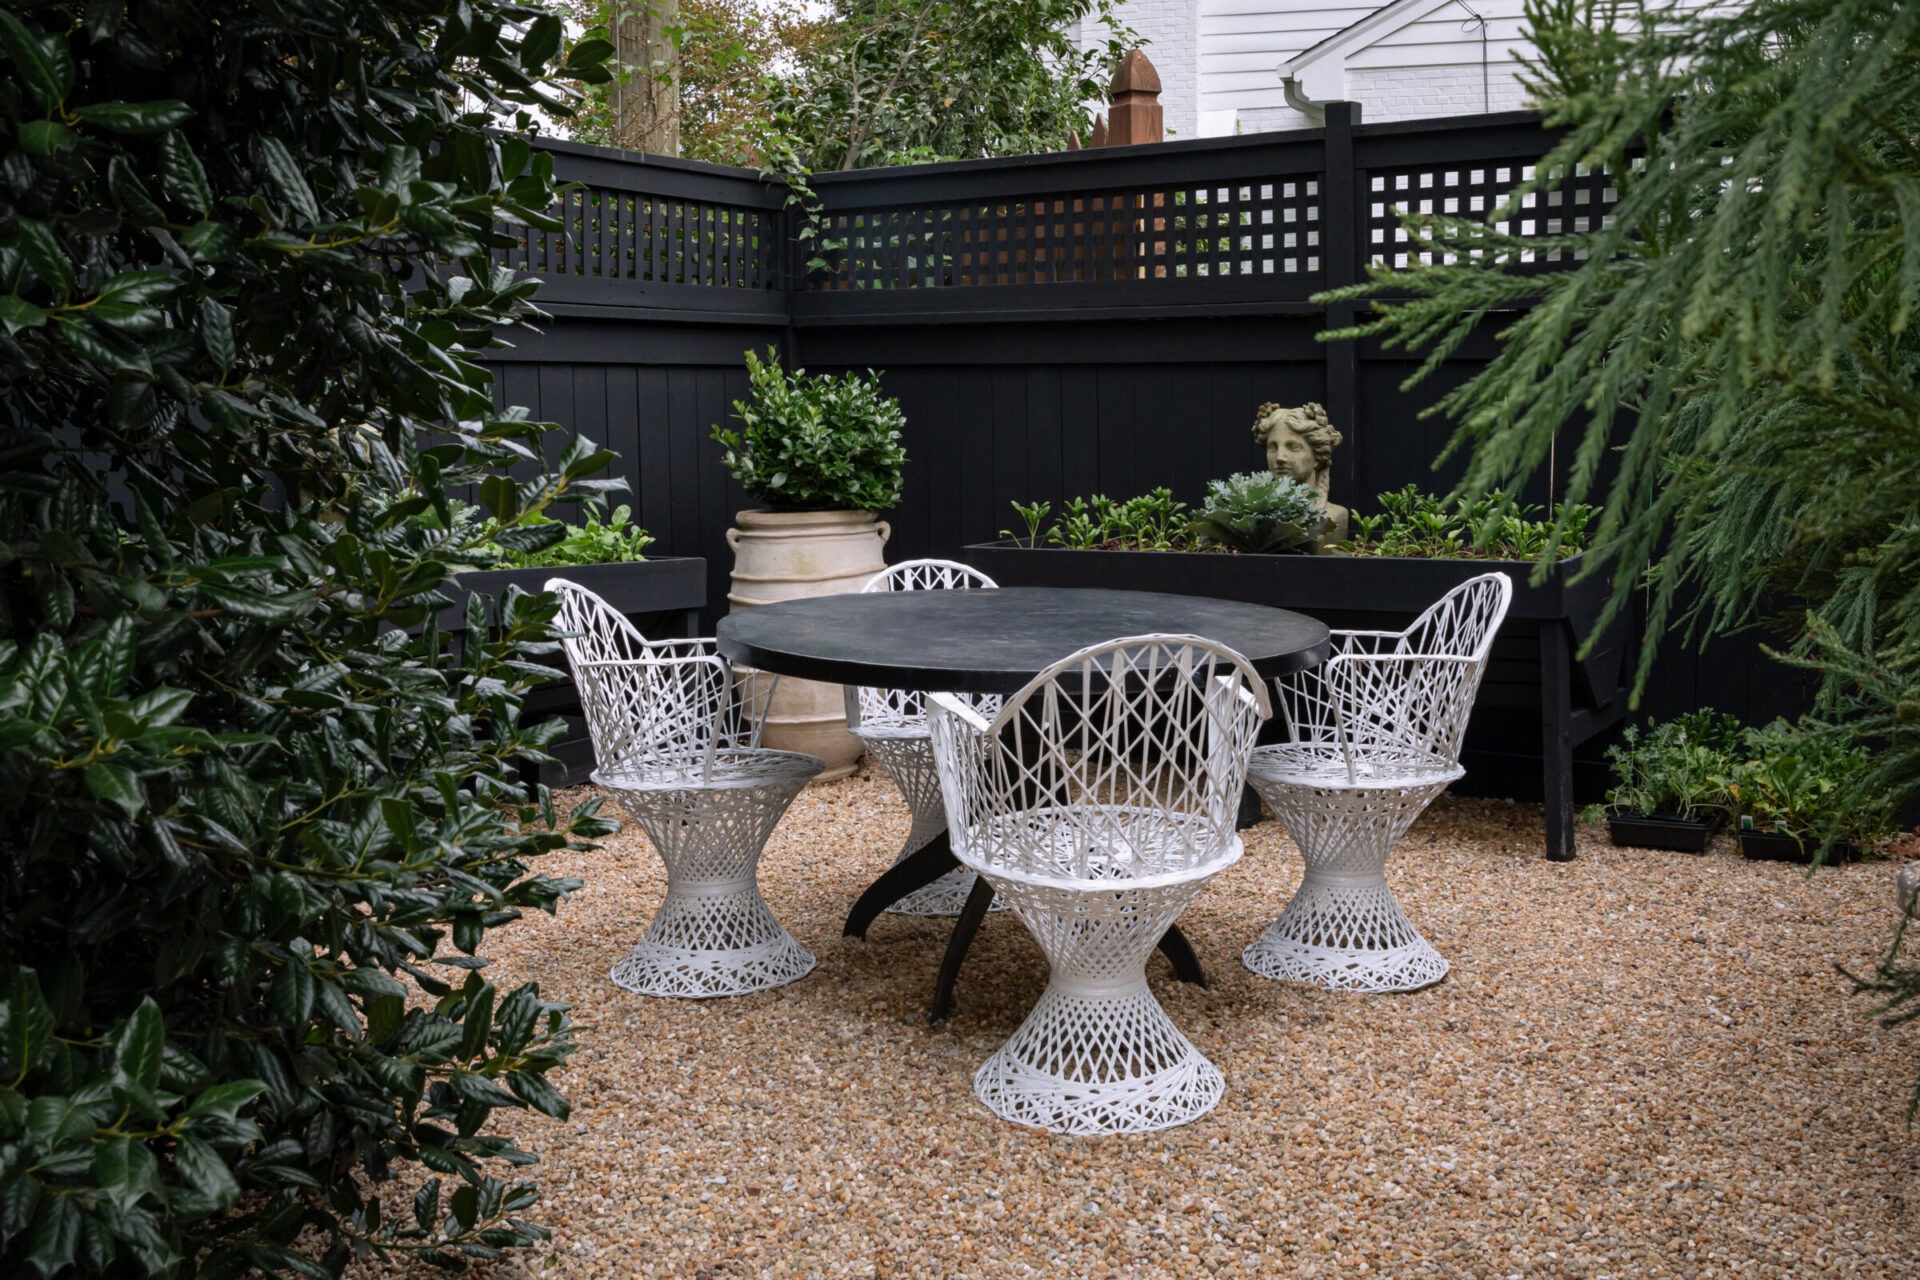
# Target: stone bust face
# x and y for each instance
(1288, 453)
(1299, 442)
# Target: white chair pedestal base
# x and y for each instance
(1098, 1054)
(678, 956)
(1342, 929)
(714, 935)
(1345, 936)
(1099, 1064)
(908, 760)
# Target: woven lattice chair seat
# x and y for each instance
(675, 733)
(892, 723)
(1377, 736)
(1098, 802)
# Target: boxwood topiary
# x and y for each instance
(256, 814)
(815, 443)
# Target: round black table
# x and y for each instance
(991, 641)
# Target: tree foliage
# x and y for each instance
(910, 81)
(878, 82)
(1739, 345)
(729, 55)
(257, 810)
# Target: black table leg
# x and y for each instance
(915, 871)
(1186, 965)
(1556, 736)
(963, 930)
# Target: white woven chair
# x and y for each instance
(893, 725)
(676, 737)
(1376, 735)
(1098, 802)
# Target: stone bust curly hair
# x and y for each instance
(1299, 443)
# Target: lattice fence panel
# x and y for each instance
(1250, 227)
(1580, 203)
(653, 239)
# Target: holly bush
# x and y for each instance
(257, 811)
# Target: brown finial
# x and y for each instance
(1099, 138)
(1136, 114)
(1073, 140)
(1135, 75)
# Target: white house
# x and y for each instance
(1248, 66)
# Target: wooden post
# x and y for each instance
(1135, 114)
(1340, 248)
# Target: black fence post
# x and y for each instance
(1339, 218)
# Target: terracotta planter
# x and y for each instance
(793, 555)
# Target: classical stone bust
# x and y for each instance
(1300, 443)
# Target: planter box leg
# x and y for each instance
(1556, 737)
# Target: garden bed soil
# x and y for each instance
(1664, 830)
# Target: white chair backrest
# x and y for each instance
(1402, 695)
(1124, 760)
(929, 575)
(901, 706)
(657, 707)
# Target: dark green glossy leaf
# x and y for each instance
(26, 1025)
(17, 314)
(203, 1169)
(286, 176)
(182, 176)
(41, 61)
(291, 994)
(116, 785)
(135, 117)
(45, 137)
(46, 256)
(216, 333)
(137, 1056)
(54, 1235)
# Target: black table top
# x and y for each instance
(994, 641)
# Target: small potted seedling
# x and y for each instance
(1800, 798)
(1670, 782)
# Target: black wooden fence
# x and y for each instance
(1053, 325)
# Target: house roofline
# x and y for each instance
(1386, 18)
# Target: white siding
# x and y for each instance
(1243, 42)
(1220, 59)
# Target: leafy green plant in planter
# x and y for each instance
(815, 443)
(1798, 795)
(256, 817)
(1491, 527)
(614, 540)
(1258, 511)
(1670, 781)
(1154, 521)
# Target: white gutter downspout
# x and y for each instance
(1315, 112)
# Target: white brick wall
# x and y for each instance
(1172, 35)
(1414, 93)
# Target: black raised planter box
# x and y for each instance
(662, 596)
(1777, 846)
(1536, 698)
(1664, 830)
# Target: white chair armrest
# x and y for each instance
(955, 706)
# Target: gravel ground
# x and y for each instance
(1642, 1064)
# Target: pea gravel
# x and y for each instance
(1643, 1064)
